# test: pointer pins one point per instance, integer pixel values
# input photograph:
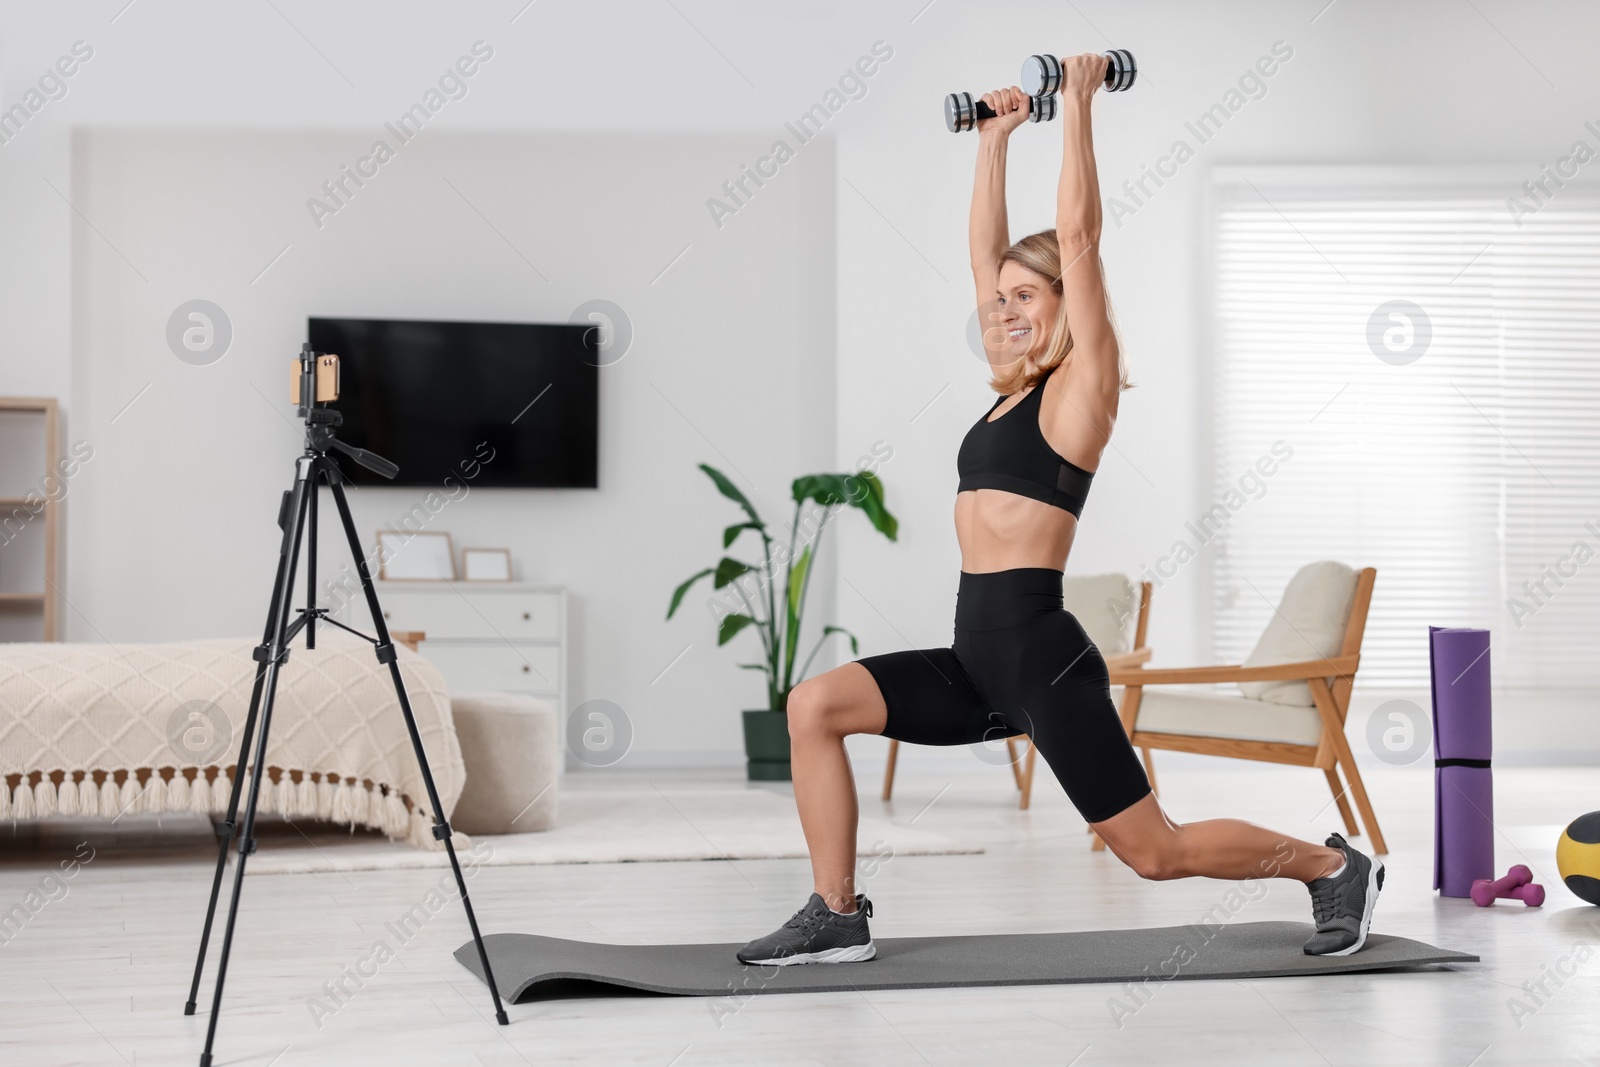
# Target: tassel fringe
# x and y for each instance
(67, 799)
(128, 797)
(221, 790)
(350, 802)
(22, 803)
(177, 793)
(44, 798)
(200, 794)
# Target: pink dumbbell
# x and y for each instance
(1518, 884)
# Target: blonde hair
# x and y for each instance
(1040, 253)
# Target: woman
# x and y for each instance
(1019, 662)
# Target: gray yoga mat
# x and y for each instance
(524, 962)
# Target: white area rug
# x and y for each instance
(621, 827)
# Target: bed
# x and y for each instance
(100, 731)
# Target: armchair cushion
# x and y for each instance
(1107, 606)
(1309, 624)
(1175, 710)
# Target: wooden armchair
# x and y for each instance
(1295, 691)
(1116, 620)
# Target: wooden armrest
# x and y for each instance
(1283, 672)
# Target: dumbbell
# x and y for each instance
(1518, 884)
(1041, 75)
(962, 112)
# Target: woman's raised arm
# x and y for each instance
(988, 232)
(1094, 342)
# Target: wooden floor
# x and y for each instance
(99, 974)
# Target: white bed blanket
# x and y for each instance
(101, 730)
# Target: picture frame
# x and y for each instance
(425, 556)
(486, 564)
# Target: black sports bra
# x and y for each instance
(1012, 455)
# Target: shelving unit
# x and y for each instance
(29, 519)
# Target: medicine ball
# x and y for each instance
(1578, 857)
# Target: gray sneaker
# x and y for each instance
(1342, 904)
(816, 934)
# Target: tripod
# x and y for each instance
(297, 510)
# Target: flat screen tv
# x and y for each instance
(517, 402)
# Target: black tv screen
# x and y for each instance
(517, 402)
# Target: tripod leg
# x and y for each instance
(226, 829)
(311, 565)
(225, 835)
(276, 653)
(386, 654)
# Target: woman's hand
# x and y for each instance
(1010, 111)
(1082, 75)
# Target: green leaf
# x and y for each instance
(855, 646)
(796, 591)
(729, 569)
(677, 594)
(825, 489)
(731, 534)
(797, 584)
(755, 667)
(731, 625)
(863, 490)
(731, 491)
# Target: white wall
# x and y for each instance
(731, 363)
(1369, 82)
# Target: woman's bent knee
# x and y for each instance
(814, 709)
(1155, 865)
(1155, 859)
(833, 705)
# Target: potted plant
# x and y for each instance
(775, 608)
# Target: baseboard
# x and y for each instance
(923, 760)
(664, 760)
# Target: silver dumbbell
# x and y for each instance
(962, 112)
(1041, 75)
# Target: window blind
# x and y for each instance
(1451, 441)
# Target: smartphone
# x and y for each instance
(327, 387)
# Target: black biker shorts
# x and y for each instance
(1020, 664)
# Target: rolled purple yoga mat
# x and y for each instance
(1463, 742)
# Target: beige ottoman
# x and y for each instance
(511, 745)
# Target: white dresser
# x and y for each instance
(483, 636)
